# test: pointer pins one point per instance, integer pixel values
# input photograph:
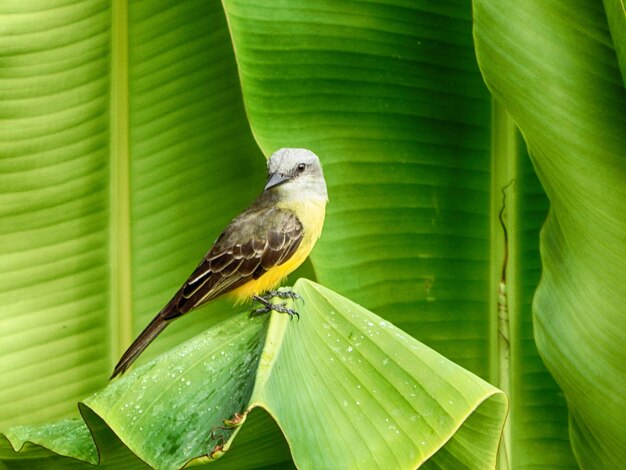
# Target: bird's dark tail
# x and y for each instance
(151, 331)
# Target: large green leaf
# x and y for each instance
(399, 404)
(554, 66)
(120, 132)
(123, 132)
(416, 156)
(54, 293)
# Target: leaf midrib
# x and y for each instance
(503, 309)
(119, 226)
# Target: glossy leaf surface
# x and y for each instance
(393, 400)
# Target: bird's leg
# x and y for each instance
(269, 306)
(285, 293)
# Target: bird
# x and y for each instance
(257, 249)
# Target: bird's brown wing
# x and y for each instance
(260, 238)
(253, 243)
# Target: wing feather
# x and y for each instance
(253, 243)
(248, 266)
(261, 237)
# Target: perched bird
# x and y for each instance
(258, 249)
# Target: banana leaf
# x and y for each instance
(126, 148)
(424, 405)
(571, 112)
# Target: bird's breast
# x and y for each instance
(311, 215)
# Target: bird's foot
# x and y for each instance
(283, 293)
(269, 306)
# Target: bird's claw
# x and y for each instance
(269, 306)
(282, 294)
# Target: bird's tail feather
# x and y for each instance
(151, 331)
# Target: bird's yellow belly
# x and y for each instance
(312, 220)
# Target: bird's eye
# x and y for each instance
(301, 167)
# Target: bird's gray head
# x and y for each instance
(296, 173)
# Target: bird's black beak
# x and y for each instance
(274, 180)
